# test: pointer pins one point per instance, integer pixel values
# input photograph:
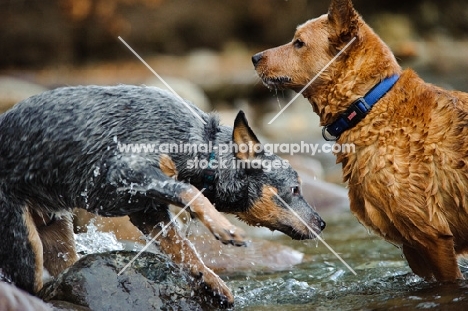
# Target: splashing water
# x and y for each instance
(94, 241)
(96, 171)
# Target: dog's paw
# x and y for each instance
(218, 225)
(215, 288)
(230, 235)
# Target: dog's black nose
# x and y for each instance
(322, 225)
(256, 58)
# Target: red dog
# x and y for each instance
(408, 179)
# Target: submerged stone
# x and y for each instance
(151, 282)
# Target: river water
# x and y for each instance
(383, 280)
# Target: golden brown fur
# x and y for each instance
(408, 179)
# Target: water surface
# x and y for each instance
(383, 281)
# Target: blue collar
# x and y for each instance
(358, 110)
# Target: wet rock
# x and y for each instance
(152, 282)
(14, 299)
(259, 255)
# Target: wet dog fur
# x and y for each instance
(60, 149)
(408, 179)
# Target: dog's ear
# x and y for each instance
(343, 23)
(247, 143)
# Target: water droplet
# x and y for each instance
(94, 241)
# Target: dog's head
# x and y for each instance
(271, 188)
(337, 51)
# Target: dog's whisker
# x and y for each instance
(277, 98)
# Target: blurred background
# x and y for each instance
(203, 49)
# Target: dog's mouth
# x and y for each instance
(299, 231)
(292, 227)
(300, 235)
(276, 82)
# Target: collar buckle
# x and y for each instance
(355, 113)
(327, 136)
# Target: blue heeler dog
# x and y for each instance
(65, 148)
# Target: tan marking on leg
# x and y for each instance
(221, 228)
(181, 251)
(36, 246)
(167, 166)
(58, 244)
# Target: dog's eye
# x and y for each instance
(298, 44)
(296, 190)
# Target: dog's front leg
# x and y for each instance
(437, 257)
(134, 174)
(219, 226)
(182, 252)
(417, 262)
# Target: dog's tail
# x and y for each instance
(21, 248)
